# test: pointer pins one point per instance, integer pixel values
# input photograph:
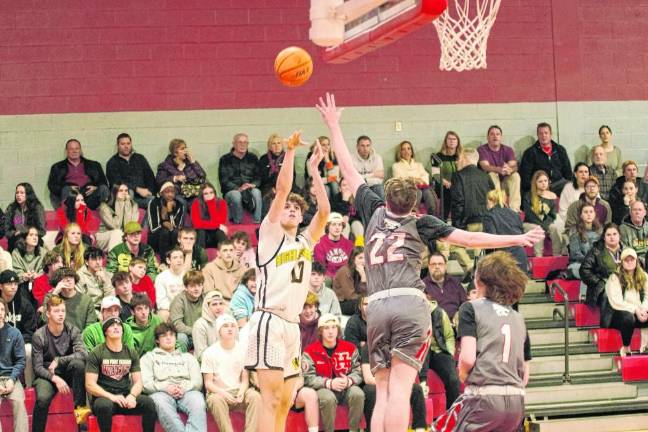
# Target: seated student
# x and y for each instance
(186, 308)
(332, 368)
(12, 365)
(143, 323)
(328, 168)
(224, 272)
(243, 250)
(93, 335)
(59, 364)
(165, 216)
(356, 328)
(121, 255)
(582, 239)
(19, 314)
(441, 355)
(600, 262)
(242, 304)
(226, 381)
(24, 212)
(115, 214)
(141, 282)
(308, 319)
(590, 196)
(417, 398)
(204, 332)
(317, 285)
(169, 283)
(173, 380)
(124, 292)
(350, 282)
(343, 203)
(499, 219)
(626, 307)
(333, 249)
(79, 307)
(539, 206)
(75, 210)
(209, 216)
(571, 193)
(52, 261)
(495, 349)
(622, 194)
(634, 229)
(27, 257)
(72, 248)
(93, 279)
(621, 207)
(114, 381)
(195, 255)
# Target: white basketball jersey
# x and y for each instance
(283, 271)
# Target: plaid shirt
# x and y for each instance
(606, 178)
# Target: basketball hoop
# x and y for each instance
(464, 38)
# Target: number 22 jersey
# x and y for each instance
(283, 271)
(394, 245)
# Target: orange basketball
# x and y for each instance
(293, 66)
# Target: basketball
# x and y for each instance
(293, 66)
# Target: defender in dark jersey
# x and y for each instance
(398, 315)
(495, 349)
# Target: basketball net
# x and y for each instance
(464, 37)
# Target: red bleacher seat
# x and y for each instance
(212, 253)
(572, 287)
(609, 340)
(541, 266)
(584, 315)
(633, 368)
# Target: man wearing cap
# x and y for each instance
(79, 307)
(93, 279)
(331, 366)
(59, 363)
(114, 381)
(333, 249)
(203, 332)
(120, 256)
(165, 217)
(172, 378)
(93, 335)
(19, 314)
(634, 229)
(12, 364)
(590, 196)
(226, 381)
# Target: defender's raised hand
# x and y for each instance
(330, 112)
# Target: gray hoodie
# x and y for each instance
(161, 368)
(204, 332)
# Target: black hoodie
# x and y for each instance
(356, 329)
(21, 315)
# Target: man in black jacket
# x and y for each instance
(468, 192)
(549, 156)
(77, 173)
(133, 169)
(240, 181)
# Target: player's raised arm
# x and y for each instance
(316, 227)
(493, 241)
(284, 179)
(331, 116)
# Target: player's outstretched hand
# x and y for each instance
(330, 113)
(315, 159)
(534, 236)
(294, 141)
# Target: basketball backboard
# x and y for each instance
(367, 24)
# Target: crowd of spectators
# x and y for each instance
(126, 291)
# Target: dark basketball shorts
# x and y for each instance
(398, 326)
(485, 413)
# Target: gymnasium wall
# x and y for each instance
(202, 70)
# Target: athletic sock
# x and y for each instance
(313, 429)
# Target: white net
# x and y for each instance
(464, 32)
